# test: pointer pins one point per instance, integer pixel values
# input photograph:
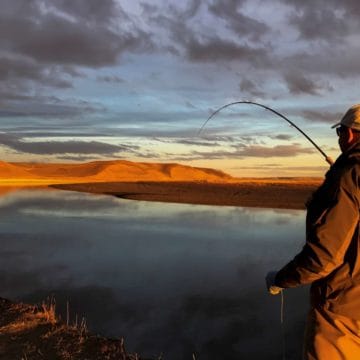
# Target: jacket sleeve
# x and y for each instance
(328, 238)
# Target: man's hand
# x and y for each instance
(270, 283)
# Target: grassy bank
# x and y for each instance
(35, 332)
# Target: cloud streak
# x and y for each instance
(60, 147)
(282, 151)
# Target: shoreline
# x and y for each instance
(265, 193)
(164, 182)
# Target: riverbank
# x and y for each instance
(160, 182)
(266, 193)
(35, 332)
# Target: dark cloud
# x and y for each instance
(202, 47)
(297, 83)
(191, 9)
(60, 147)
(324, 20)
(19, 77)
(90, 10)
(322, 116)
(13, 69)
(210, 141)
(276, 151)
(282, 137)
(110, 79)
(43, 43)
(82, 158)
(249, 87)
(230, 12)
(323, 23)
(217, 49)
(58, 133)
(65, 32)
(340, 62)
(246, 151)
(192, 142)
(39, 109)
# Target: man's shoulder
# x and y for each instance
(349, 175)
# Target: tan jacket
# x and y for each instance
(330, 259)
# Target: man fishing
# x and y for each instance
(330, 258)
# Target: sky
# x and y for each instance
(89, 80)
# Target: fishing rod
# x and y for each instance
(327, 158)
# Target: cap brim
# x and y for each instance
(337, 124)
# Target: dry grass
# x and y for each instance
(32, 332)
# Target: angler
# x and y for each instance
(330, 258)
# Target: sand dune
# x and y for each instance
(8, 170)
(160, 182)
(105, 171)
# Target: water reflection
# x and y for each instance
(170, 278)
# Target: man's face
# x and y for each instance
(345, 137)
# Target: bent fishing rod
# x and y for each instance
(327, 158)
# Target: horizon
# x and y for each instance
(13, 178)
(99, 81)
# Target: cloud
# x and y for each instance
(44, 112)
(322, 116)
(282, 137)
(246, 151)
(276, 151)
(43, 43)
(249, 87)
(299, 84)
(191, 142)
(324, 20)
(82, 158)
(110, 79)
(13, 69)
(230, 12)
(203, 47)
(65, 32)
(60, 147)
(323, 23)
(20, 76)
(343, 62)
(217, 49)
(89, 10)
(190, 105)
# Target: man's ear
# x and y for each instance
(350, 135)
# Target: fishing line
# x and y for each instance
(327, 158)
(282, 325)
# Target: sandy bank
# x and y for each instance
(160, 182)
(268, 194)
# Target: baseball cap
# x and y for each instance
(351, 118)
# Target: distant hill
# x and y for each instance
(107, 171)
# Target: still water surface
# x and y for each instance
(172, 279)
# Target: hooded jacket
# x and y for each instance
(330, 259)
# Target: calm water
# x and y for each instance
(169, 278)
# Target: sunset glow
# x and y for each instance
(84, 80)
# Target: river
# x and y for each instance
(172, 279)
